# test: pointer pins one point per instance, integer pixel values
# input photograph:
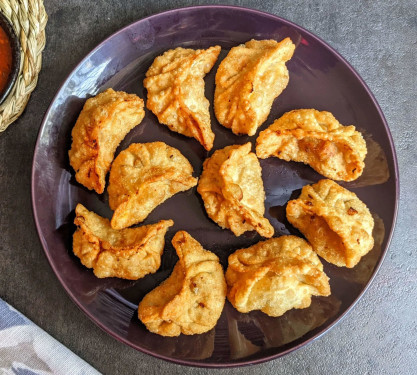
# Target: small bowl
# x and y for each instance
(15, 44)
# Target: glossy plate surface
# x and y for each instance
(319, 78)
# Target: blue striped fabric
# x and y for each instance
(25, 349)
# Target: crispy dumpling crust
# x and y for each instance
(275, 276)
(248, 80)
(335, 221)
(142, 177)
(317, 139)
(191, 300)
(128, 254)
(175, 84)
(232, 190)
(101, 126)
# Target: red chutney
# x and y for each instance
(5, 59)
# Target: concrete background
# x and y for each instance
(379, 39)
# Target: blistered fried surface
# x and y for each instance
(191, 300)
(335, 221)
(175, 84)
(142, 177)
(232, 190)
(128, 254)
(363, 271)
(247, 82)
(317, 139)
(275, 276)
(101, 126)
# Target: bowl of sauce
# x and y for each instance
(9, 57)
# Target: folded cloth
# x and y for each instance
(25, 349)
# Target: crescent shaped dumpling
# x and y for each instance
(248, 80)
(232, 190)
(128, 254)
(275, 276)
(175, 84)
(191, 300)
(317, 139)
(335, 221)
(142, 177)
(102, 124)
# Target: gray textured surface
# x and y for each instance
(379, 39)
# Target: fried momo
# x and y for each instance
(232, 190)
(363, 271)
(335, 221)
(128, 254)
(317, 139)
(275, 276)
(175, 84)
(142, 177)
(101, 126)
(247, 82)
(191, 300)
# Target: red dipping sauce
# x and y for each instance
(5, 59)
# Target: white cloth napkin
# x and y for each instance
(25, 349)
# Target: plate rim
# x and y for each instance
(238, 363)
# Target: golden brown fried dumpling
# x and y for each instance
(335, 221)
(142, 177)
(191, 300)
(317, 139)
(232, 190)
(363, 271)
(175, 84)
(101, 126)
(275, 276)
(247, 82)
(128, 254)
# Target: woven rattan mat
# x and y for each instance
(28, 18)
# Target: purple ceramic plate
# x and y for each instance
(319, 78)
